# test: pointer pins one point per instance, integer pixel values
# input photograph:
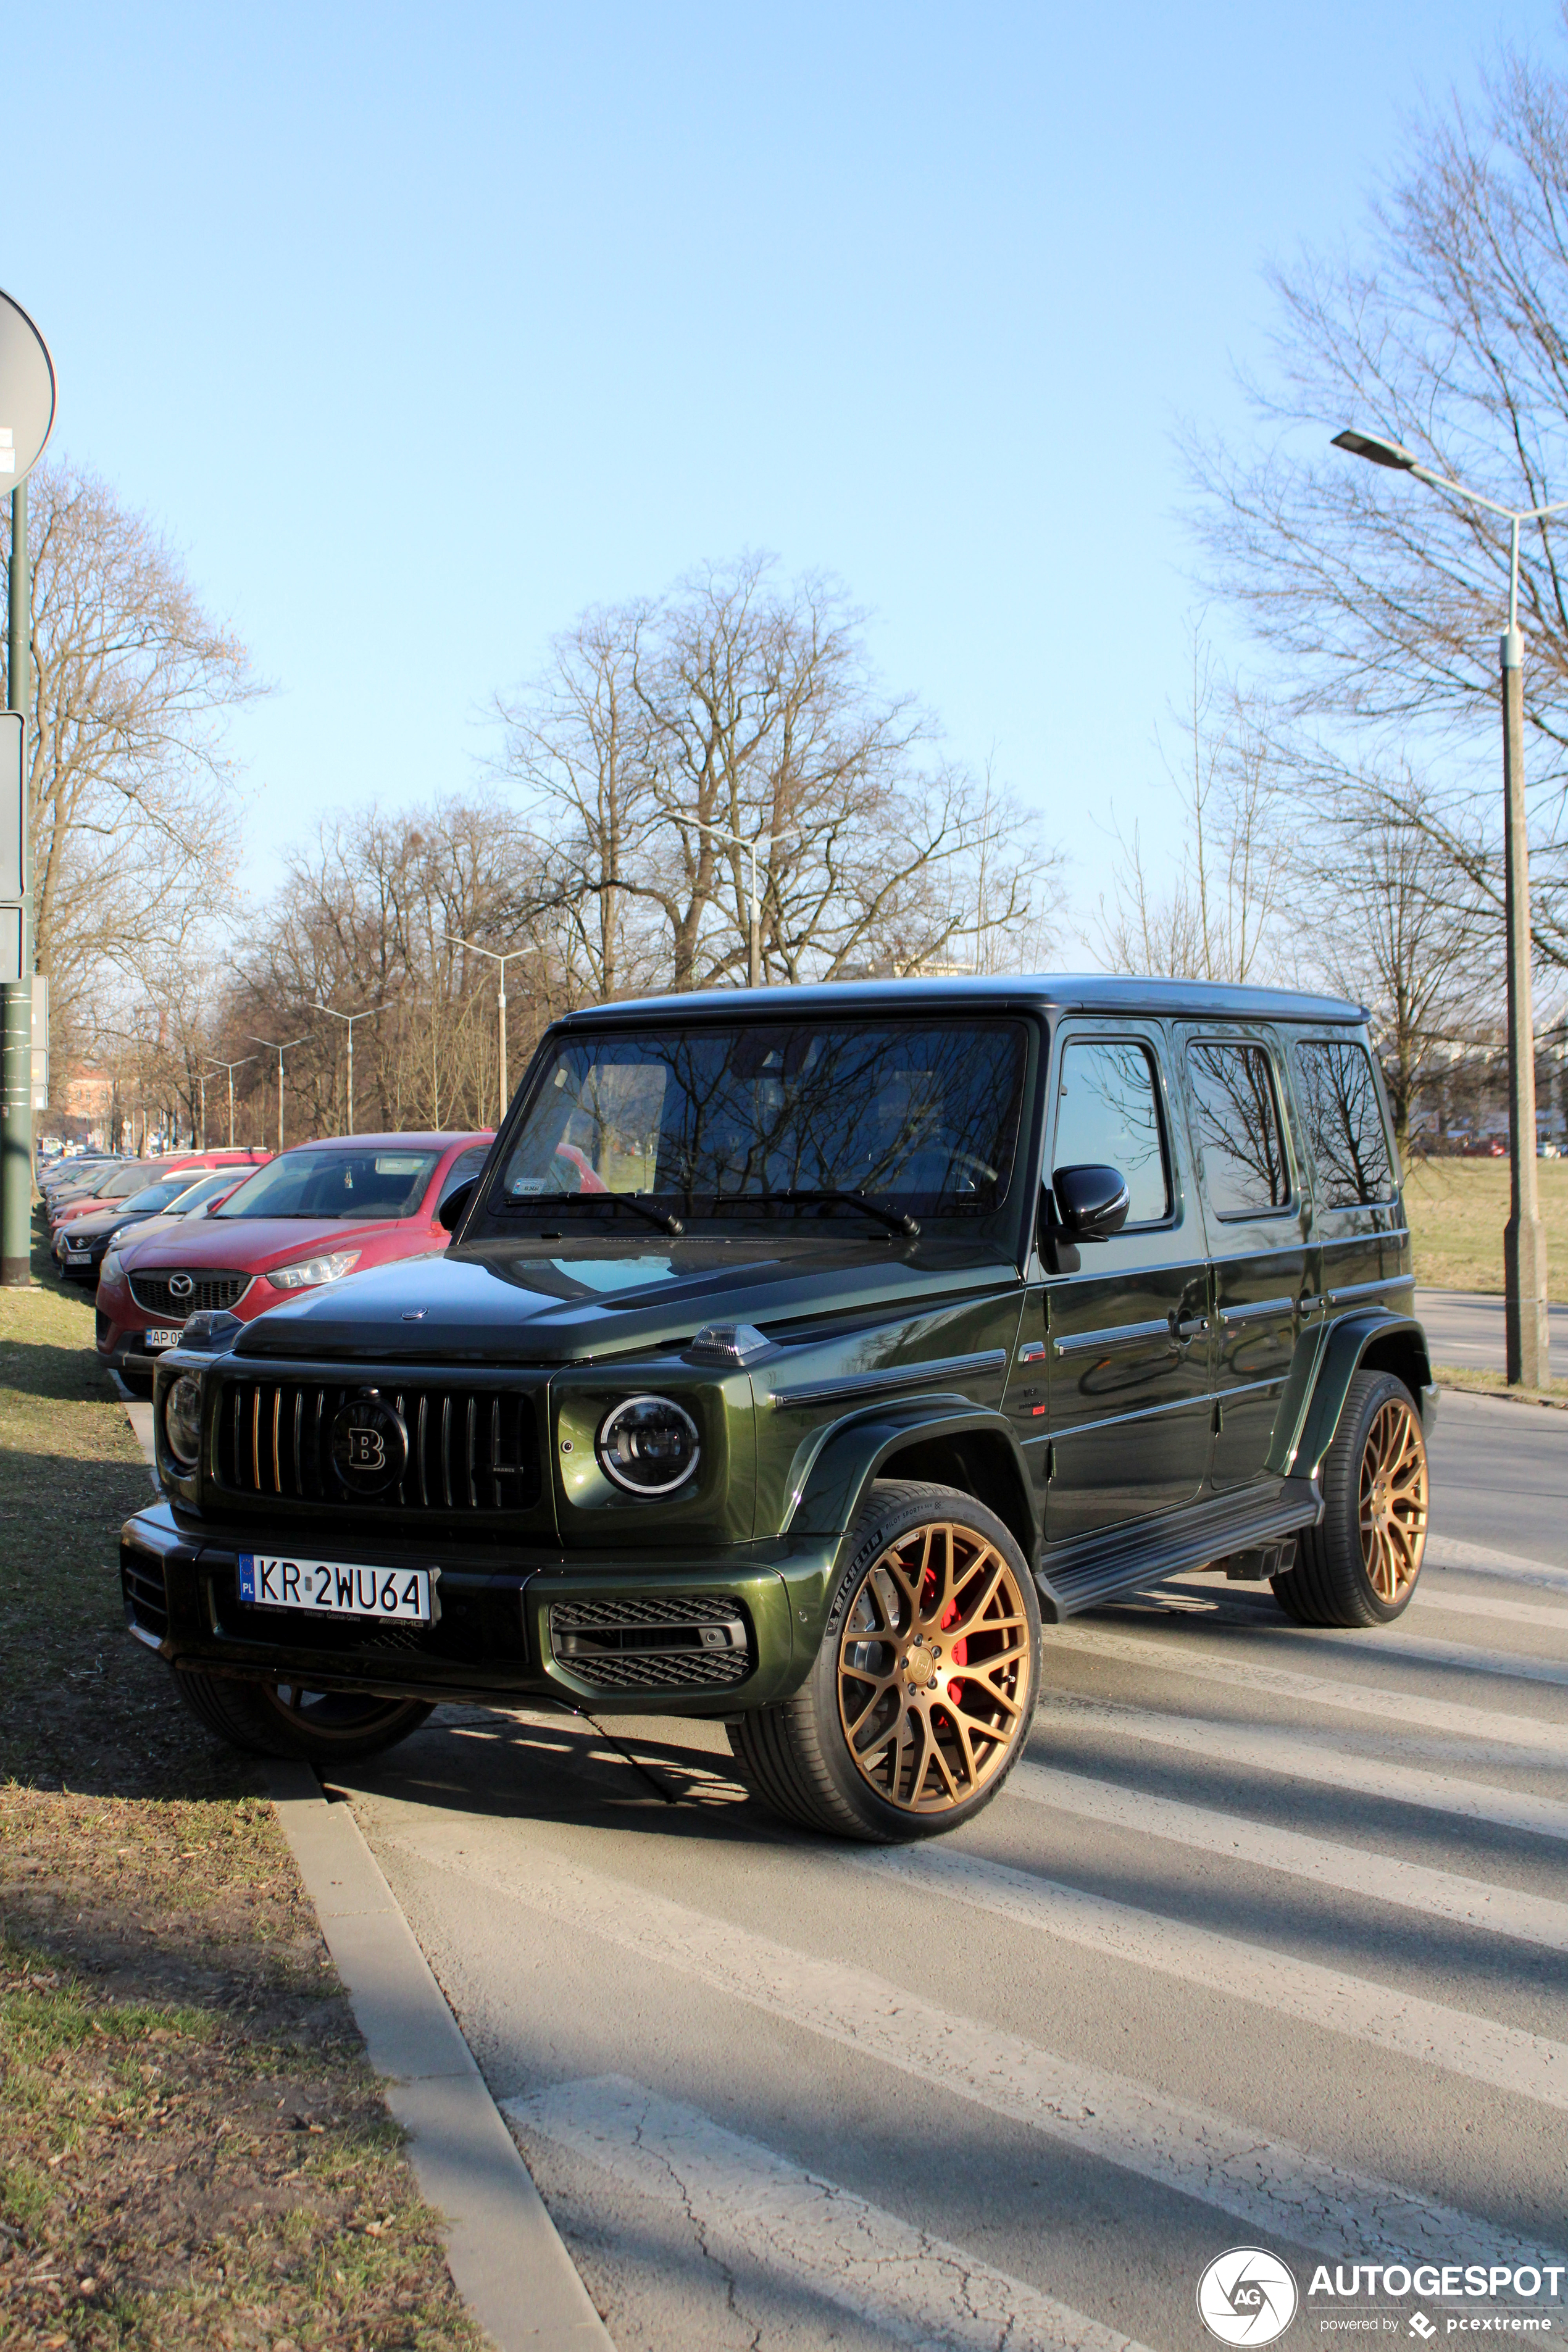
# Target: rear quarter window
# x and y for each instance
(1237, 1128)
(1343, 1117)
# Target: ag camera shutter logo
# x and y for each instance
(1246, 2297)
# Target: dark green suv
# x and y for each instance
(797, 1355)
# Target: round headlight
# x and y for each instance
(182, 1421)
(650, 1446)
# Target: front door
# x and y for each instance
(1126, 1333)
(1260, 1217)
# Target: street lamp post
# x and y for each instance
(369, 1015)
(754, 973)
(496, 957)
(273, 1047)
(1524, 1240)
(231, 1067)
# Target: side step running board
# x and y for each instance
(1077, 1575)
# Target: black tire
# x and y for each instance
(920, 1561)
(1361, 1564)
(288, 1719)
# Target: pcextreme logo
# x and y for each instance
(1246, 2297)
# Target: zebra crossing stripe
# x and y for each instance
(1302, 1756)
(1170, 1651)
(1265, 2183)
(1379, 1878)
(1502, 2057)
(756, 2213)
(1550, 1614)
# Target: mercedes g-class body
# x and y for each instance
(800, 1358)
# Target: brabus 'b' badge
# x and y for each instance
(370, 1445)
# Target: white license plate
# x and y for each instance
(79, 1257)
(170, 1336)
(332, 1588)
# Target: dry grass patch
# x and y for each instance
(194, 2154)
(1457, 1209)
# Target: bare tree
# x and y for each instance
(1214, 912)
(133, 825)
(1382, 598)
(736, 707)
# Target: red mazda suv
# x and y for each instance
(311, 1215)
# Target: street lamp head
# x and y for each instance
(1377, 451)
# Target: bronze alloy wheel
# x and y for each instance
(1359, 1565)
(934, 1668)
(286, 1719)
(1393, 1499)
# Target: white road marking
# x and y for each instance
(1265, 2183)
(1504, 2058)
(1429, 1650)
(1380, 1878)
(752, 2208)
(1481, 1604)
(1481, 1559)
(1301, 1756)
(1172, 1653)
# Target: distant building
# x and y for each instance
(90, 1094)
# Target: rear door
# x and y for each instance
(1260, 1218)
(1359, 1227)
(1127, 1332)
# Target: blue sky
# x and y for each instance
(418, 330)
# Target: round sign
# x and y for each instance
(369, 1445)
(1246, 2297)
(27, 394)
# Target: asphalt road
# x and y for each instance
(1465, 1328)
(1266, 1944)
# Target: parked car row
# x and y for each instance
(245, 1232)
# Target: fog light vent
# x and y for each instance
(654, 1642)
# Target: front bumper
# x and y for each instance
(658, 1636)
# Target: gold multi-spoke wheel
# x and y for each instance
(1359, 1565)
(1393, 1498)
(934, 1668)
(920, 1696)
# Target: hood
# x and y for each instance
(533, 1302)
(257, 1244)
(101, 1221)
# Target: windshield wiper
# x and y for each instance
(660, 1217)
(897, 1220)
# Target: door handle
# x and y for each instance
(1190, 1327)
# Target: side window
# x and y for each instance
(1236, 1129)
(1344, 1123)
(467, 1163)
(1107, 1112)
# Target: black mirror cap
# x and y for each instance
(1091, 1202)
(211, 1330)
(454, 1207)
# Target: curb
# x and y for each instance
(505, 2254)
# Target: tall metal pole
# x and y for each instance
(231, 1110)
(17, 1054)
(1526, 1330)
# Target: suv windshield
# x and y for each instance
(922, 1114)
(158, 1196)
(335, 1184)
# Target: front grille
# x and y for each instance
(153, 1295)
(146, 1599)
(469, 1449)
(657, 1642)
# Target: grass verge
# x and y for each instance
(1457, 1211)
(193, 2153)
(1486, 1383)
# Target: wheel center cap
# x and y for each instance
(920, 1667)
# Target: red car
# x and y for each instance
(311, 1215)
(133, 1175)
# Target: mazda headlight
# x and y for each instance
(183, 1421)
(306, 1272)
(650, 1446)
(112, 1267)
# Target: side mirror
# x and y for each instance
(1091, 1203)
(454, 1207)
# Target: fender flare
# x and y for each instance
(1346, 1348)
(829, 1485)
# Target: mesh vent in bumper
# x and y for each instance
(655, 1642)
(146, 1596)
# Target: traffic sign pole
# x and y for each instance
(16, 1136)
